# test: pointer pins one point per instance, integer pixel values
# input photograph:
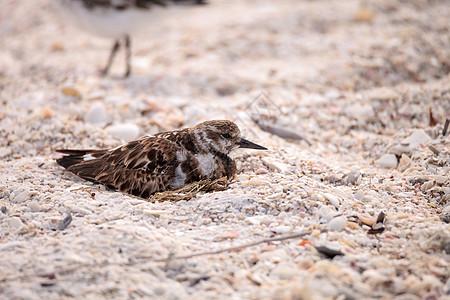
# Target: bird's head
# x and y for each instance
(222, 136)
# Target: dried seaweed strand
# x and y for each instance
(190, 190)
(275, 239)
(281, 132)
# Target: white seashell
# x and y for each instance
(15, 223)
(338, 223)
(275, 164)
(282, 229)
(440, 179)
(386, 161)
(22, 196)
(34, 206)
(4, 151)
(333, 199)
(417, 138)
(97, 115)
(124, 132)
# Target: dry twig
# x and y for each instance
(190, 190)
(275, 239)
(433, 149)
(444, 131)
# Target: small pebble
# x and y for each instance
(160, 290)
(367, 220)
(377, 226)
(328, 252)
(364, 15)
(401, 149)
(284, 272)
(15, 223)
(446, 209)
(154, 212)
(255, 220)
(427, 185)
(4, 151)
(374, 278)
(282, 229)
(445, 218)
(124, 132)
(417, 138)
(333, 199)
(22, 196)
(254, 181)
(359, 195)
(261, 171)
(330, 216)
(387, 161)
(34, 206)
(440, 179)
(359, 111)
(315, 233)
(338, 223)
(97, 115)
(352, 178)
(275, 164)
(404, 163)
(69, 94)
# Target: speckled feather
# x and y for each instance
(161, 162)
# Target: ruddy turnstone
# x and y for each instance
(118, 19)
(164, 161)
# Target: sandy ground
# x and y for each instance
(358, 79)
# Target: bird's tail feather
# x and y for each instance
(86, 159)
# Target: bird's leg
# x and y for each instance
(127, 55)
(114, 50)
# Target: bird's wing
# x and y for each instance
(124, 4)
(183, 137)
(140, 167)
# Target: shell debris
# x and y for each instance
(366, 82)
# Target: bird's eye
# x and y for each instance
(226, 135)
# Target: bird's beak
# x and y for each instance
(243, 143)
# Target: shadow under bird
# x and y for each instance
(164, 161)
(119, 19)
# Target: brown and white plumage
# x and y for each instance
(164, 161)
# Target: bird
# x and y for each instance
(163, 161)
(118, 19)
